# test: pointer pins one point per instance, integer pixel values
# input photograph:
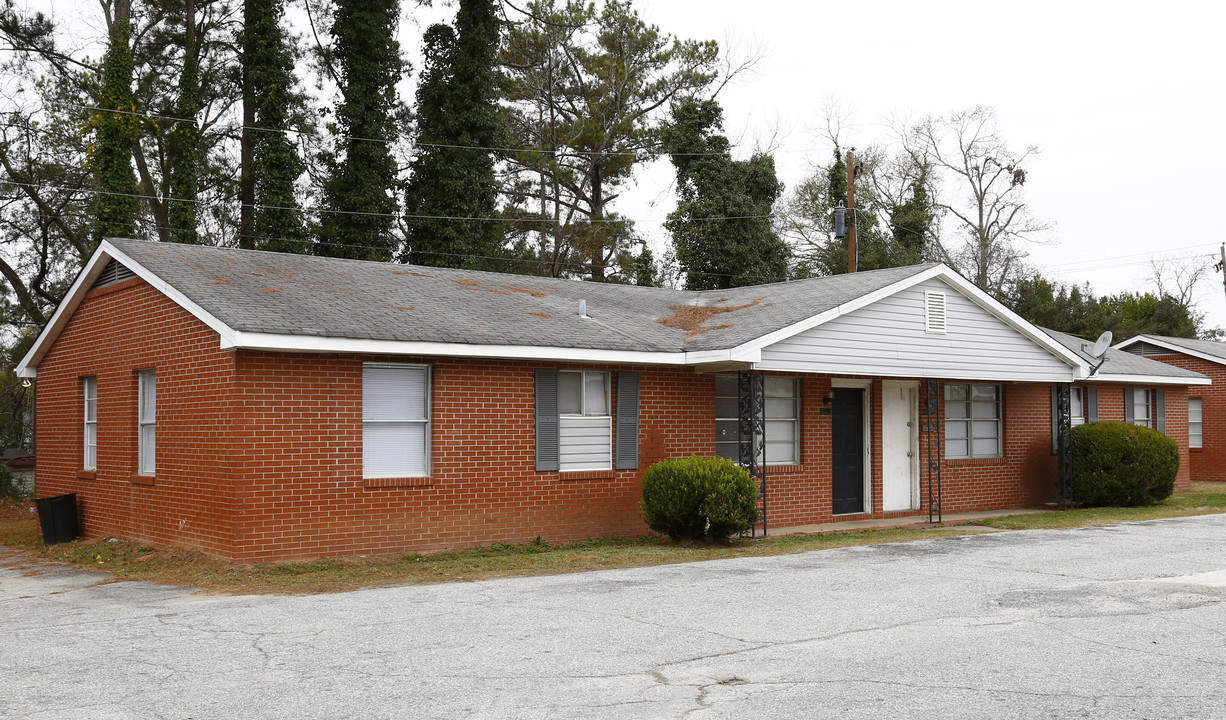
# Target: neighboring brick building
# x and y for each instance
(1207, 404)
(261, 406)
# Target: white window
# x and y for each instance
(1139, 397)
(1077, 406)
(395, 420)
(972, 420)
(1195, 424)
(585, 425)
(782, 413)
(147, 421)
(89, 390)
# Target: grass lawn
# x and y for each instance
(132, 561)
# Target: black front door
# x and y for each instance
(847, 450)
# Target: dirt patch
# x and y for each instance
(271, 290)
(542, 315)
(477, 286)
(219, 281)
(406, 307)
(526, 291)
(691, 318)
(406, 272)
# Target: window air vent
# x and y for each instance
(113, 273)
(934, 312)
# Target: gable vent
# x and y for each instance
(111, 274)
(1148, 349)
(934, 312)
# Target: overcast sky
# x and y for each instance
(1125, 100)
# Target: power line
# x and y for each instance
(535, 220)
(543, 151)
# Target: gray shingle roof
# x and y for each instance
(265, 292)
(1120, 362)
(1204, 347)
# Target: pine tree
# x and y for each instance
(722, 226)
(359, 204)
(186, 138)
(116, 128)
(273, 220)
(457, 113)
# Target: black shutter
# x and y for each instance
(1160, 410)
(1091, 404)
(546, 420)
(627, 421)
(1055, 421)
(1129, 410)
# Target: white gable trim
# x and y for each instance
(1149, 379)
(1176, 349)
(28, 367)
(974, 294)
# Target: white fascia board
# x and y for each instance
(979, 297)
(1067, 377)
(305, 343)
(28, 367)
(1175, 349)
(1149, 380)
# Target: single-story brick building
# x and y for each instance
(264, 406)
(1206, 405)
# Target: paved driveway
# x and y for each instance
(1115, 622)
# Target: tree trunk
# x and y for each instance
(246, 180)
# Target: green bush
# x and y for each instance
(696, 497)
(1117, 463)
(9, 487)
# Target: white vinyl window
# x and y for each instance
(147, 422)
(395, 420)
(585, 423)
(1196, 437)
(1139, 397)
(1077, 406)
(782, 413)
(89, 391)
(972, 421)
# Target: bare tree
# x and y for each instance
(1177, 277)
(982, 182)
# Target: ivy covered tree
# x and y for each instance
(359, 201)
(116, 128)
(271, 218)
(722, 227)
(458, 122)
(185, 138)
(912, 221)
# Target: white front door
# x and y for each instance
(899, 447)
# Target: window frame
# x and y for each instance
(427, 421)
(969, 421)
(584, 414)
(146, 383)
(1200, 424)
(795, 420)
(89, 437)
(1148, 420)
(1077, 402)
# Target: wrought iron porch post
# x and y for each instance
(1064, 441)
(751, 431)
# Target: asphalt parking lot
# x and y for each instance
(1120, 621)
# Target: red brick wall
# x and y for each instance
(1208, 462)
(260, 453)
(191, 499)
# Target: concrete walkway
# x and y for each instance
(907, 521)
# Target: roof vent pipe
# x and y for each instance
(583, 308)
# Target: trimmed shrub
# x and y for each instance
(1116, 463)
(696, 497)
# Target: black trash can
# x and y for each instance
(58, 517)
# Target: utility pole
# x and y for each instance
(1222, 266)
(851, 211)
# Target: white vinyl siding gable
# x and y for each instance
(890, 338)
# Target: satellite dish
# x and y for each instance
(1101, 345)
